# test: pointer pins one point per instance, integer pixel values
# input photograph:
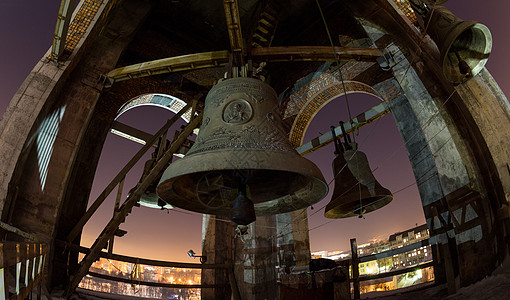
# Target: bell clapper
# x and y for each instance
(242, 210)
(463, 66)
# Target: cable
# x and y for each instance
(337, 63)
(421, 40)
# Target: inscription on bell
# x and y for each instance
(237, 112)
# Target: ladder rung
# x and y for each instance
(262, 30)
(260, 38)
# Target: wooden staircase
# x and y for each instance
(266, 25)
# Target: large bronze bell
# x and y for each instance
(356, 190)
(464, 45)
(242, 145)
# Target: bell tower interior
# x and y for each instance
(243, 81)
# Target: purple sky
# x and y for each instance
(26, 34)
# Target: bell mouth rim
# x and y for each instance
(349, 209)
(481, 31)
(284, 204)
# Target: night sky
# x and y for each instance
(26, 34)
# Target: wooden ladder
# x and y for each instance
(118, 218)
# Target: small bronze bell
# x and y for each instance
(356, 190)
(464, 45)
(242, 140)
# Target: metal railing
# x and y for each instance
(21, 269)
(154, 263)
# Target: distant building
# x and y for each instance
(411, 236)
(142, 273)
(391, 263)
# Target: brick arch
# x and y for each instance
(164, 101)
(318, 100)
(115, 98)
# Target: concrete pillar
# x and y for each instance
(217, 234)
(255, 260)
(293, 242)
(457, 141)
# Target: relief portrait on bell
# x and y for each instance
(237, 112)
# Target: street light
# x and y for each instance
(192, 254)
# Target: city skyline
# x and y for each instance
(28, 29)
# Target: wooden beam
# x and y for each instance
(396, 251)
(19, 232)
(156, 284)
(100, 199)
(124, 210)
(171, 64)
(360, 120)
(60, 35)
(131, 133)
(220, 58)
(234, 30)
(142, 261)
(314, 53)
(355, 269)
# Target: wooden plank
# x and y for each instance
(131, 133)
(124, 210)
(314, 53)
(17, 231)
(100, 199)
(4, 273)
(156, 284)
